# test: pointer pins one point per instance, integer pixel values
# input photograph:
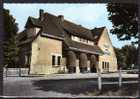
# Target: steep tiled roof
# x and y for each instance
(97, 33)
(21, 35)
(73, 45)
(77, 30)
(52, 25)
(33, 22)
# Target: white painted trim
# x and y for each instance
(56, 54)
(56, 59)
(77, 39)
(52, 36)
(84, 50)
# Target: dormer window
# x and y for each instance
(82, 40)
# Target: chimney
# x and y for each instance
(61, 18)
(41, 12)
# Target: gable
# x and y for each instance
(32, 22)
(105, 43)
(97, 32)
(56, 28)
(51, 25)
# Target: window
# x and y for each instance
(86, 41)
(74, 38)
(90, 42)
(108, 66)
(58, 60)
(82, 40)
(53, 60)
(103, 65)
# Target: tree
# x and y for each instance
(11, 52)
(10, 26)
(10, 45)
(127, 56)
(124, 18)
(120, 58)
(130, 52)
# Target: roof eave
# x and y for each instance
(52, 36)
(86, 51)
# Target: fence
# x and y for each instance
(25, 72)
(15, 72)
(120, 78)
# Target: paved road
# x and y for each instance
(37, 86)
(42, 86)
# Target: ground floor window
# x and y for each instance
(56, 60)
(53, 60)
(105, 66)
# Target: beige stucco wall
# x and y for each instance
(105, 40)
(42, 50)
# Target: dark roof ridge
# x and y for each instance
(68, 21)
(97, 32)
(53, 22)
(32, 17)
(99, 27)
(77, 24)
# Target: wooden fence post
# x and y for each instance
(6, 71)
(120, 78)
(99, 80)
(19, 72)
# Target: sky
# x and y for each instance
(87, 15)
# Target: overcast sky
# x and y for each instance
(87, 15)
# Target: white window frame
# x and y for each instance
(56, 59)
(82, 40)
